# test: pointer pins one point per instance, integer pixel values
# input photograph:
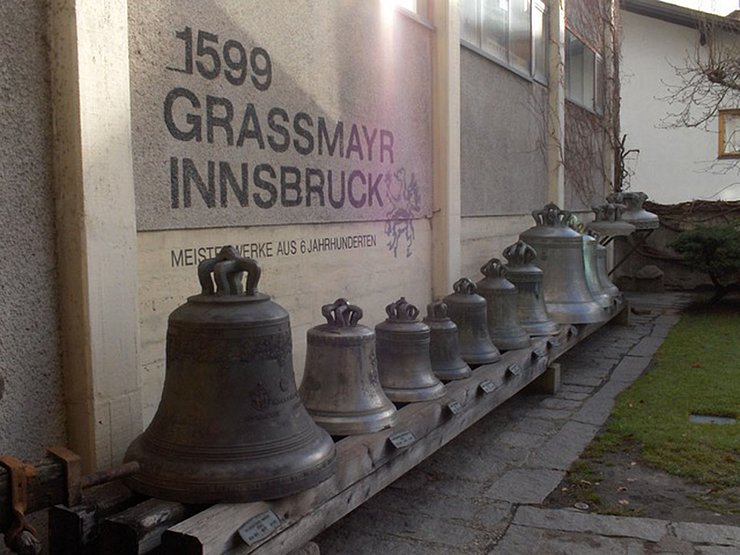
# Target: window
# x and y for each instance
(513, 32)
(584, 74)
(729, 133)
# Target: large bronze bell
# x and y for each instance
(603, 274)
(468, 310)
(592, 272)
(230, 426)
(404, 365)
(634, 213)
(341, 388)
(501, 308)
(444, 349)
(527, 277)
(560, 256)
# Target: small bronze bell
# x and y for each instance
(607, 222)
(527, 278)
(560, 256)
(230, 426)
(404, 365)
(468, 310)
(501, 308)
(592, 272)
(444, 346)
(634, 213)
(341, 388)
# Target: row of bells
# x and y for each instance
(232, 425)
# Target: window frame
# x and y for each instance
(734, 113)
(538, 7)
(598, 83)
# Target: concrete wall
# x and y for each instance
(502, 144)
(357, 63)
(503, 174)
(674, 165)
(31, 399)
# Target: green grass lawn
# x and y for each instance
(695, 371)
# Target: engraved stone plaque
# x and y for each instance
(539, 352)
(553, 342)
(455, 407)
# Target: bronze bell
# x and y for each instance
(527, 278)
(560, 256)
(607, 221)
(468, 310)
(501, 308)
(444, 347)
(592, 272)
(230, 426)
(603, 274)
(634, 213)
(341, 388)
(404, 364)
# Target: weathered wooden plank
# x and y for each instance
(139, 529)
(369, 462)
(75, 530)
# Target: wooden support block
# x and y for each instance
(623, 317)
(75, 530)
(46, 488)
(547, 383)
(139, 529)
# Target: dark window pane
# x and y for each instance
(520, 37)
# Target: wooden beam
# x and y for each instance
(368, 463)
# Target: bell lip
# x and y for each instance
(542, 328)
(414, 395)
(453, 373)
(512, 342)
(577, 312)
(198, 486)
(482, 358)
(349, 425)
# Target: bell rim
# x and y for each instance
(346, 425)
(414, 395)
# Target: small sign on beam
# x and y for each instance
(400, 440)
(259, 527)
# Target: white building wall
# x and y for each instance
(674, 165)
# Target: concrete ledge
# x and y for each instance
(649, 529)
